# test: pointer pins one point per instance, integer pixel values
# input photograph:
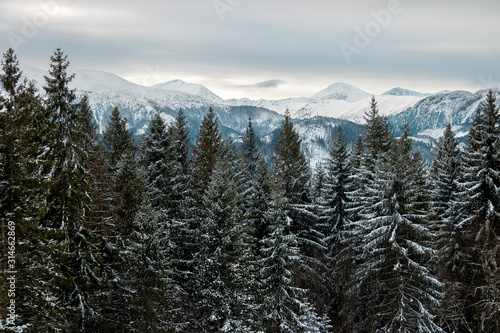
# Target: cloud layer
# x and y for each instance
(293, 48)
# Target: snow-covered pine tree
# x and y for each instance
(157, 161)
(117, 138)
(10, 177)
(248, 160)
(292, 172)
(290, 167)
(69, 238)
(480, 218)
(149, 284)
(398, 249)
(335, 202)
(283, 307)
(206, 153)
(317, 184)
(444, 176)
(11, 123)
(222, 271)
(336, 186)
(251, 148)
(32, 169)
(180, 140)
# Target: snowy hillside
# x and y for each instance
(404, 92)
(190, 88)
(429, 117)
(341, 91)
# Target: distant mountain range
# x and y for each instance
(317, 117)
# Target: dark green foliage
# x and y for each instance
(290, 165)
(117, 139)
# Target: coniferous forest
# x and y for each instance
(99, 234)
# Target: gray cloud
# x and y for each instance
(265, 84)
(427, 45)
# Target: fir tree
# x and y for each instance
(117, 138)
(207, 152)
(220, 266)
(480, 219)
(290, 167)
(284, 307)
(397, 248)
(336, 186)
(444, 184)
(250, 148)
(68, 200)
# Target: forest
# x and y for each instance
(100, 234)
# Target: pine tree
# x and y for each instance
(290, 167)
(148, 280)
(180, 136)
(284, 307)
(157, 160)
(397, 248)
(318, 184)
(10, 178)
(70, 240)
(480, 219)
(250, 148)
(117, 138)
(220, 266)
(444, 177)
(207, 151)
(336, 186)
(377, 137)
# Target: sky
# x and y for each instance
(266, 48)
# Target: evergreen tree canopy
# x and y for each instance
(290, 166)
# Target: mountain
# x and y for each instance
(429, 117)
(340, 100)
(341, 91)
(404, 92)
(190, 88)
(316, 118)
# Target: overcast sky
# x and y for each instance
(266, 48)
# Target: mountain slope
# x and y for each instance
(190, 88)
(404, 92)
(341, 91)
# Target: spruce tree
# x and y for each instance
(117, 138)
(206, 153)
(397, 250)
(220, 267)
(283, 307)
(71, 241)
(336, 186)
(290, 166)
(479, 217)
(444, 184)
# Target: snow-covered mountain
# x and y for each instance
(316, 118)
(404, 92)
(190, 88)
(429, 117)
(340, 100)
(341, 91)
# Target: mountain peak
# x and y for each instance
(341, 91)
(398, 91)
(190, 88)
